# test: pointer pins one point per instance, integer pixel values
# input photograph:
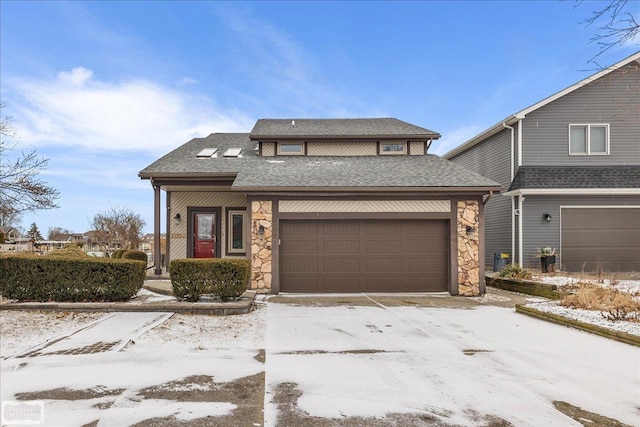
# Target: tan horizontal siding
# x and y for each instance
(268, 149)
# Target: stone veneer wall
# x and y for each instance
(468, 248)
(261, 253)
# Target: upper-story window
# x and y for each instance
(589, 139)
(290, 148)
(393, 148)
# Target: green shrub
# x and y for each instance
(514, 271)
(226, 278)
(118, 253)
(69, 251)
(137, 255)
(64, 278)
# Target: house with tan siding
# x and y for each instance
(326, 205)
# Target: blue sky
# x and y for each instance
(103, 89)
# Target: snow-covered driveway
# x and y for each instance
(376, 365)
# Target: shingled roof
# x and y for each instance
(266, 129)
(253, 172)
(548, 177)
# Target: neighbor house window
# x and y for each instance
(393, 148)
(236, 231)
(588, 139)
(290, 148)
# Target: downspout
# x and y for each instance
(513, 229)
(520, 200)
(513, 148)
(513, 205)
(484, 202)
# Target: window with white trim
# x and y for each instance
(393, 148)
(589, 139)
(236, 220)
(290, 148)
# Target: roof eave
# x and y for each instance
(572, 191)
(351, 190)
(343, 137)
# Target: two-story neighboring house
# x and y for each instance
(326, 205)
(570, 166)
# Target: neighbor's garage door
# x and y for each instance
(364, 255)
(606, 237)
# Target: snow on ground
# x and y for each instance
(587, 316)
(631, 286)
(225, 348)
(21, 330)
(460, 366)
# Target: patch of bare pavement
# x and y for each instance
(495, 297)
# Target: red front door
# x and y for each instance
(204, 235)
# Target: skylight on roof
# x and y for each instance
(232, 152)
(207, 153)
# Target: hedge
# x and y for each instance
(58, 278)
(137, 255)
(118, 253)
(224, 277)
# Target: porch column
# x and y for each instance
(156, 230)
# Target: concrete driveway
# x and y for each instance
(441, 362)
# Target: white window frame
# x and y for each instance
(230, 250)
(290, 153)
(393, 153)
(588, 139)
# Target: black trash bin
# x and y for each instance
(500, 260)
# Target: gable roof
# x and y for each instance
(376, 128)
(252, 172)
(510, 120)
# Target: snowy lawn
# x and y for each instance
(442, 366)
(188, 368)
(568, 283)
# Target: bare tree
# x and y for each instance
(54, 232)
(118, 227)
(9, 217)
(615, 24)
(20, 189)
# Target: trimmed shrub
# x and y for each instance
(224, 277)
(137, 255)
(118, 253)
(514, 271)
(64, 278)
(68, 251)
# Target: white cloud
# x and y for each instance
(453, 139)
(76, 109)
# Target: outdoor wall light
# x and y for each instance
(547, 217)
(261, 230)
(470, 230)
(177, 218)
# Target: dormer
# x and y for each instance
(340, 137)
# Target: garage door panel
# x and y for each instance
(341, 265)
(301, 247)
(340, 229)
(365, 255)
(300, 265)
(385, 265)
(386, 246)
(607, 238)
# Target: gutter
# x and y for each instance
(512, 129)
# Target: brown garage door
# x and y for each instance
(364, 255)
(605, 237)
